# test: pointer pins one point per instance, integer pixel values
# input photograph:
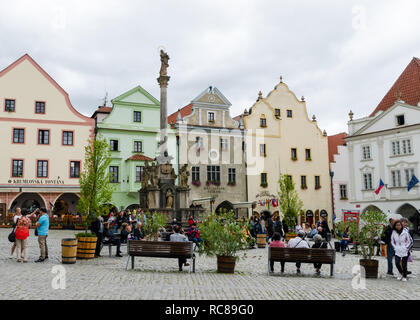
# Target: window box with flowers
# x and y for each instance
(264, 185)
(196, 183)
(304, 187)
(317, 187)
(232, 183)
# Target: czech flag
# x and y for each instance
(381, 185)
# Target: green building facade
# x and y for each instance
(131, 127)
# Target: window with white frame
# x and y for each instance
(409, 173)
(396, 178)
(367, 181)
(343, 191)
(195, 174)
(232, 175)
(224, 143)
(366, 153)
(213, 173)
(139, 173)
(138, 146)
(406, 146)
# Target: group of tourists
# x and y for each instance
(265, 225)
(398, 245)
(193, 231)
(20, 233)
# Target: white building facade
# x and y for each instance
(385, 147)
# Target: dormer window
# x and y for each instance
(289, 113)
(400, 120)
(277, 113)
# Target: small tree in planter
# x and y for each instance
(154, 223)
(372, 222)
(223, 237)
(95, 191)
(289, 203)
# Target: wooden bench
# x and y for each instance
(160, 249)
(303, 255)
(110, 245)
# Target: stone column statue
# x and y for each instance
(169, 199)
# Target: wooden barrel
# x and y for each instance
(86, 247)
(261, 240)
(68, 251)
(225, 264)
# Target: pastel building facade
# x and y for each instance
(211, 143)
(43, 140)
(131, 128)
(281, 139)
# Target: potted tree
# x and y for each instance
(95, 193)
(154, 224)
(223, 237)
(289, 203)
(367, 237)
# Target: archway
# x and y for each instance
(266, 214)
(132, 207)
(66, 204)
(108, 208)
(28, 201)
(225, 206)
(410, 212)
(371, 207)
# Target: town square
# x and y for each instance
(274, 174)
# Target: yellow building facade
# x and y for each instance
(42, 139)
(282, 139)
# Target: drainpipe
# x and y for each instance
(177, 154)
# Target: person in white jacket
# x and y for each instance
(400, 240)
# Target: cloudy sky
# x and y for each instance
(340, 55)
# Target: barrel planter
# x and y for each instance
(383, 250)
(261, 240)
(86, 247)
(68, 251)
(371, 268)
(226, 264)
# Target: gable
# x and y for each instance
(136, 96)
(387, 120)
(212, 96)
(26, 82)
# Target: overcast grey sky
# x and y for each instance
(338, 54)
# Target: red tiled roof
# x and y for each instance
(185, 111)
(139, 157)
(333, 143)
(104, 109)
(237, 118)
(409, 85)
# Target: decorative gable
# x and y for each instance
(212, 96)
(137, 96)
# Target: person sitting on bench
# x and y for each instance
(298, 242)
(319, 244)
(178, 237)
(276, 242)
(194, 235)
(109, 238)
(138, 232)
(125, 232)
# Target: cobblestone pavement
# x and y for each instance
(153, 278)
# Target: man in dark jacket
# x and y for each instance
(111, 238)
(97, 228)
(278, 227)
(386, 238)
(270, 227)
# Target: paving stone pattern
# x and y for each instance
(154, 278)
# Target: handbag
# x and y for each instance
(11, 236)
(410, 258)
